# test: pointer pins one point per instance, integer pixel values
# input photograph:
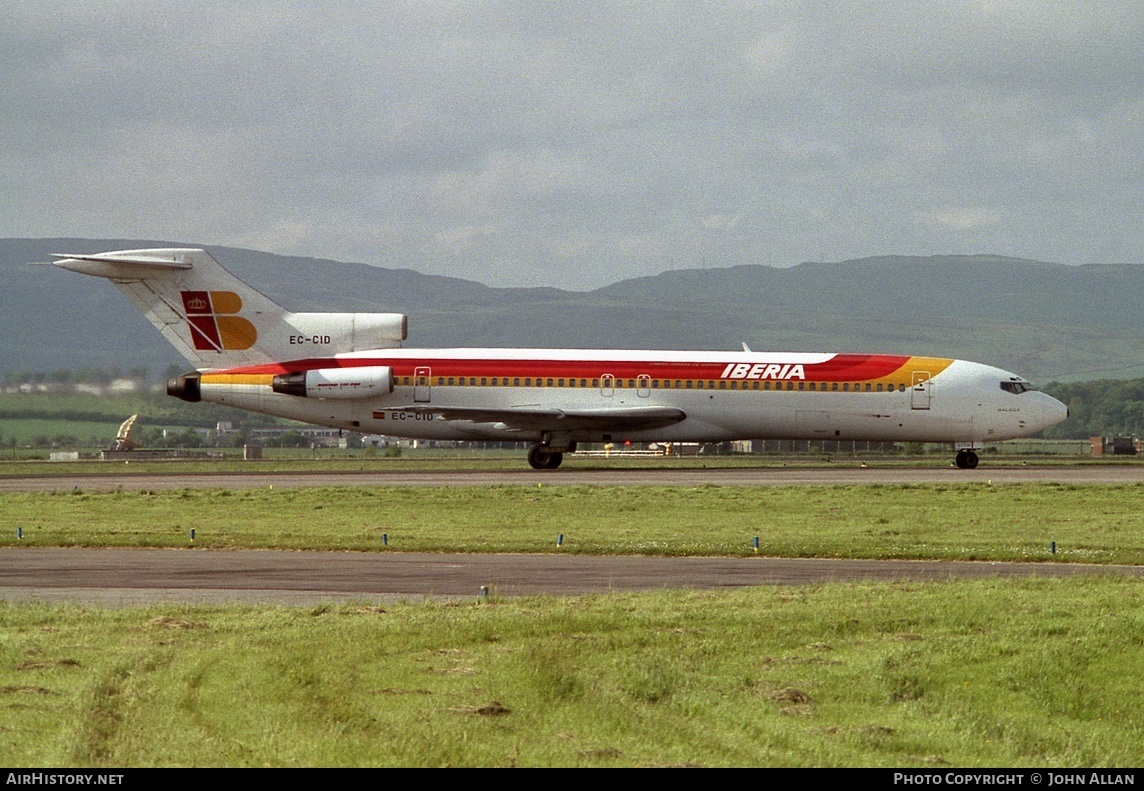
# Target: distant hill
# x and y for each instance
(1045, 321)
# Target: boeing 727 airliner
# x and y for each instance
(348, 371)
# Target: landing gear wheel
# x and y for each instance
(966, 460)
(541, 458)
(538, 457)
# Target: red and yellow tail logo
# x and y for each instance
(214, 323)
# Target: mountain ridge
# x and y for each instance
(1036, 318)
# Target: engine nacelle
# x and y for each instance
(185, 387)
(348, 332)
(363, 382)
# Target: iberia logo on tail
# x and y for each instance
(215, 325)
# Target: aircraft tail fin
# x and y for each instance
(217, 321)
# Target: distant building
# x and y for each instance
(1115, 446)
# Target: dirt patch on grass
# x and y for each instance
(44, 664)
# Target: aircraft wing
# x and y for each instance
(529, 418)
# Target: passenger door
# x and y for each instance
(920, 390)
(422, 385)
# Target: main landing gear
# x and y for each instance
(966, 460)
(542, 457)
(547, 455)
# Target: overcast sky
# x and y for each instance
(579, 143)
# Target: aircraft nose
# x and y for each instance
(1052, 411)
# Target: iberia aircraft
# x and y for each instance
(348, 371)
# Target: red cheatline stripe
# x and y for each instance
(841, 368)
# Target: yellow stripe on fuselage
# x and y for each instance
(238, 379)
(931, 366)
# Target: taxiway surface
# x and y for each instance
(260, 476)
(119, 577)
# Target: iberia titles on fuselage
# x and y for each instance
(355, 376)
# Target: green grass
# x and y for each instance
(89, 434)
(1094, 524)
(153, 407)
(983, 673)
(1039, 672)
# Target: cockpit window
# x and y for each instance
(1017, 387)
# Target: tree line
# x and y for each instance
(1103, 408)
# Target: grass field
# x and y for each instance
(90, 434)
(984, 673)
(1038, 672)
(1093, 524)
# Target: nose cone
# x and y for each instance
(1050, 411)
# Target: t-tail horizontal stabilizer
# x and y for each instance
(217, 321)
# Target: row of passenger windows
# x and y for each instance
(654, 384)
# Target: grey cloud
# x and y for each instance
(575, 144)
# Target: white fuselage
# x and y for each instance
(725, 396)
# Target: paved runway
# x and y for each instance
(117, 577)
(759, 476)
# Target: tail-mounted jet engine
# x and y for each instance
(372, 380)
